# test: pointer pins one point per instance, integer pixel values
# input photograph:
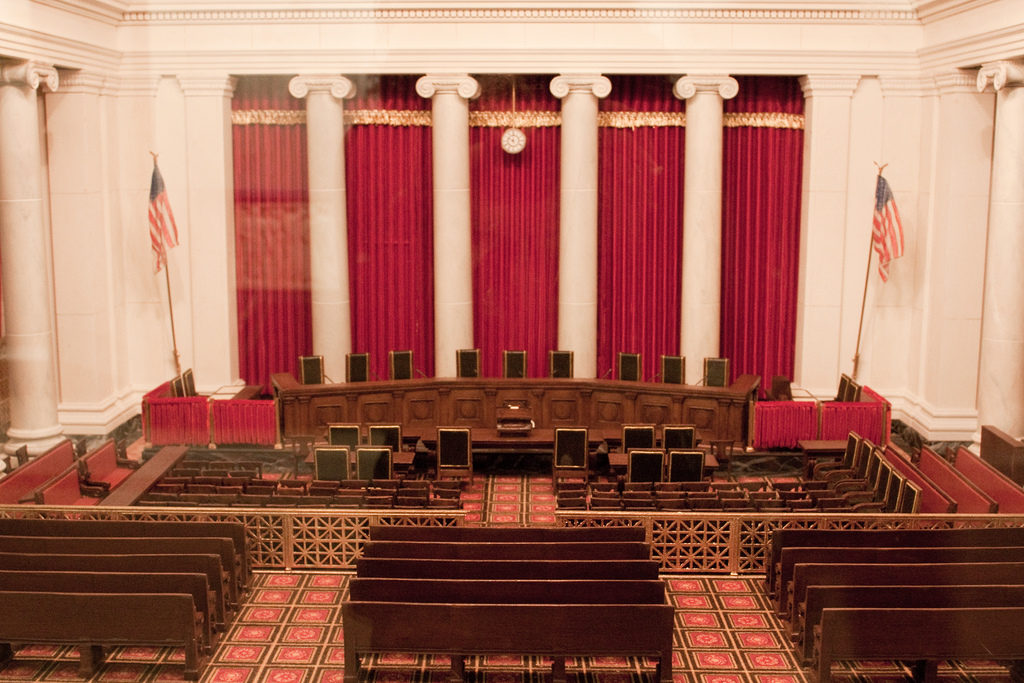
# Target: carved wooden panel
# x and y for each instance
(376, 408)
(608, 409)
(654, 410)
(421, 409)
(324, 414)
(702, 413)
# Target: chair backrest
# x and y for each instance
(357, 367)
(513, 364)
(781, 389)
(571, 447)
(343, 435)
(874, 462)
(188, 380)
(716, 372)
(673, 369)
(645, 464)
(860, 460)
(910, 499)
(386, 435)
(330, 463)
(686, 465)
(454, 450)
(560, 364)
(467, 362)
(400, 364)
(894, 491)
(372, 462)
(844, 387)
(637, 436)
(881, 482)
(853, 440)
(178, 387)
(629, 367)
(676, 437)
(311, 369)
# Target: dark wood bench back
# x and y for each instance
(507, 534)
(1005, 491)
(512, 592)
(969, 498)
(506, 569)
(36, 473)
(508, 551)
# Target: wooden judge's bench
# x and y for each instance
(421, 405)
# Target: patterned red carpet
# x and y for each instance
(289, 631)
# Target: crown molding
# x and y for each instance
(759, 11)
(936, 10)
(110, 12)
(975, 50)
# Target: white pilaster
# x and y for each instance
(328, 220)
(209, 231)
(577, 241)
(26, 284)
(822, 229)
(453, 247)
(702, 214)
(1001, 372)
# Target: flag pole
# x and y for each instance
(864, 296)
(170, 303)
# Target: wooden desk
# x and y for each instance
(813, 449)
(150, 472)
(423, 404)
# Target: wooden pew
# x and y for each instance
(884, 538)
(506, 569)
(64, 490)
(209, 565)
(899, 555)
(133, 527)
(194, 584)
(919, 634)
(969, 498)
(19, 485)
(435, 534)
(104, 466)
(93, 621)
(149, 473)
(221, 548)
(467, 550)
(934, 596)
(500, 604)
(805, 575)
(1005, 491)
(933, 498)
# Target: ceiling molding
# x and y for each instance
(972, 51)
(107, 11)
(20, 43)
(936, 10)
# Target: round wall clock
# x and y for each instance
(513, 140)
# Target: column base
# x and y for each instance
(38, 440)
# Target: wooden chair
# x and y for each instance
(560, 364)
(467, 362)
(400, 364)
(673, 369)
(570, 454)
(513, 364)
(330, 463)
(637, 436)
(343, 435)
(372, 463)
(645, 465)
(311, 369)
(628, 367)
(357, 367)
(678, 437)
(454, 452)
(386, 435)
(685, 465)
(716, 372)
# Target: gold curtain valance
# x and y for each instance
(522, 119)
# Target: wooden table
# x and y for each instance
(813, 449)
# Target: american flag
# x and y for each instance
(163, 232)
(887, 234)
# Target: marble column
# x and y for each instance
(27, 297)
(209, 233)
(453, 246)
(819, 316)
(1001, 367)
(328, 220)
(577, 230)
(702, 215)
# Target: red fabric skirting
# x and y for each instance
(839, 419)
(244, 422)
(781, 424)
(171, 421)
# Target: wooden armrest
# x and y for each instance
(93, 491)
(129, 463)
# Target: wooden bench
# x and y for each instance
(435, 534)
(66, 489)
(142, 479)
(104, 466)
(1001, 488)
(500, 604)
(19, 486)
(805, 575)
(934, 596)
(209, 565)
(134, 527)
(920, 634)
(467, 550)
(221, 548)
(900, 555)
(969, 498)
(883, 538)
(933, 498)
(93, 621)
(194, 584)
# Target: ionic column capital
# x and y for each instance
(207, 85)
(1003, 74)
(590, 84)
(338, 86)
(30, 73)
(725, 86)
(825, 85)
(463, 85)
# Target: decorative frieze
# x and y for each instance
(828, 85)
(203, 85)
(956, 82)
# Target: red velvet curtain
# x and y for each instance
(640, 218)
(271, 233)
(515, 199)
(761, 230)
(390, 227)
